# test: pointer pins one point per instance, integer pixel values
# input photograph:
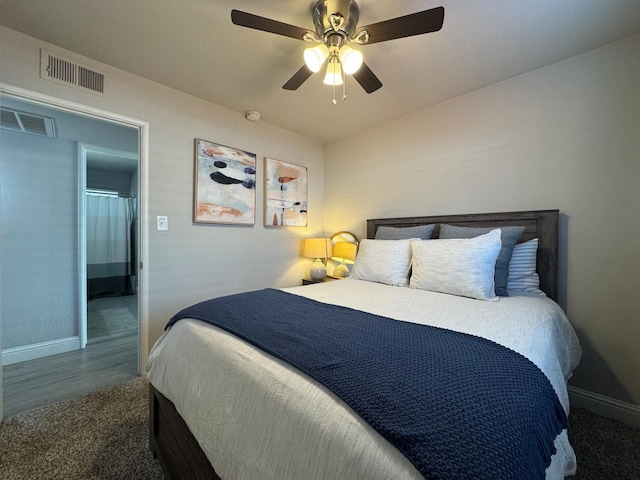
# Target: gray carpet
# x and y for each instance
(104, 436)
(606, 449)
(99, 436)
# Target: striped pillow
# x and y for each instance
(522, 268)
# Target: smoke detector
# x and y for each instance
(252, 115)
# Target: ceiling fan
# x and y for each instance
(335, 24)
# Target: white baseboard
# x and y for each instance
(605, 406)
(39, 350)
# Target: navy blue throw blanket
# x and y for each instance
(457, 406)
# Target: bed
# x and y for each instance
(221, 408)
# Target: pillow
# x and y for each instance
(401, 233)
(464, 267)
(510, 236)
(383, 261)
(522, 269)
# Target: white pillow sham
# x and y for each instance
(463, 267)
(383, 261)
(522, 268)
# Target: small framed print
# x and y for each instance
(224, 184)
(285, 194)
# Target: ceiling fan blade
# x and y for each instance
(413, 24)
(367, 79)
(256, 22)
(298, 78)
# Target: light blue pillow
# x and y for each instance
(509, 238)
(422, 232)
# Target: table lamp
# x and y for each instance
(318, 248)
(345, 253)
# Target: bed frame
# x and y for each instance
(176, 449)
(171, 442)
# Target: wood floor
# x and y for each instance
(44, 381)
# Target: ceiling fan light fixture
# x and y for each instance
(350, 59)
(336, 24)
(334, 73)
(314, 57)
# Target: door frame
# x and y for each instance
(142, 196)
(85, 149)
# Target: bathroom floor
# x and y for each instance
(112, 317)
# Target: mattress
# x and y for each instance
(256, 417)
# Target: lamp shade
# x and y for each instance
(350, 59)
(344, 252)
(334, 73)
(314, 57)
(317, 247)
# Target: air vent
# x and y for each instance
(62, 70)
(27, 123)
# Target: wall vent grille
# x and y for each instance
(57, 69)
(27, 123)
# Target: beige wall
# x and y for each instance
(566, 136)
(190, 262)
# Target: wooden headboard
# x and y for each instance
(541, 224)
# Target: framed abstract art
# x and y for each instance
(224, 184)
(285, 194)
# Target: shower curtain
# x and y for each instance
(110, 246)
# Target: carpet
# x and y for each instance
(606, 449)
(104, 436)
(100, 436)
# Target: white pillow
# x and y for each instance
(383, 261)
(461, 266)
(522, 268)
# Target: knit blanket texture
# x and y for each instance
(456, 405)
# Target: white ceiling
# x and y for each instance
(192, 46)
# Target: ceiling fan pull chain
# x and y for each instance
(344, 86)
(334, 101)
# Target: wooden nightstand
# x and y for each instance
(311, 281)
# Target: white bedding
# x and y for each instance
(257, 418)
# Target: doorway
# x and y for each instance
(110, 215)
(42, 250)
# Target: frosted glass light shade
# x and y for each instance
(350, 59)
(314, 57)
(334, 73)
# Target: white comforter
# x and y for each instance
(257, 418)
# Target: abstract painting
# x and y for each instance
(224, 184)
(285, 194)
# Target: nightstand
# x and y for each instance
(311, 281)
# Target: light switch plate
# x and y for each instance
(162, 223)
